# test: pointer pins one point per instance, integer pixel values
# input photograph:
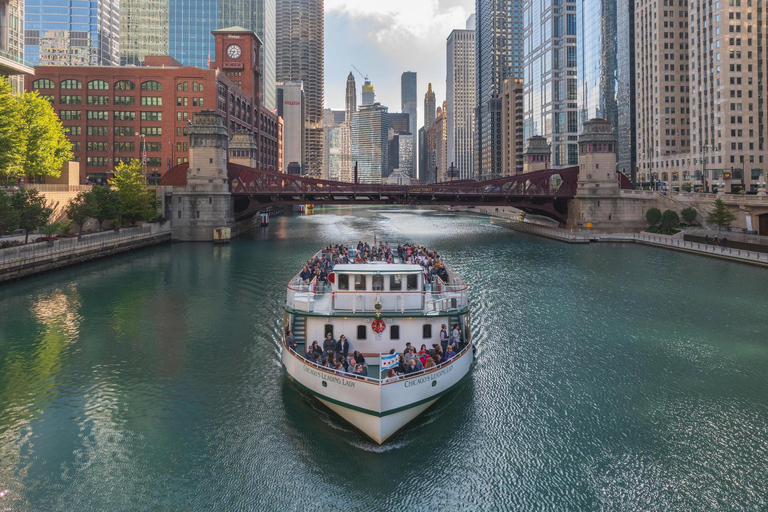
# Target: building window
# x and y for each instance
(125, 100)
(394, 332)
(153, 101)
(43, 83)
(73, 131)
(97, 146)
(97, 115)
(426, 331)
(154, 161)
(151, 116)
(69, 99)
(124, 85)
(97, 131)
(124, 146)
(69, 115)
(362, 332)
(152, 131)
(153, 147)
(98, 100)
(98, 85)
(151, 85)
(70, 84)
(124, 115)
(124, 131)
(359, 282)
(95, 161)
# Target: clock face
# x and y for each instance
(233, 51)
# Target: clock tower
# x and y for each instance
(237, 56)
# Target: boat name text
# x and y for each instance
(427, 378)
(329, 377)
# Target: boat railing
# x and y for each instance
(314, 297)
(380, 381)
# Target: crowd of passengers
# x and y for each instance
(320, 266)
(335, 356)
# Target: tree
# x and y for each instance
(47, 146)
(50, 229)
(137, 201)
(104, 204)
(653, 216)
(669, 220)
(720, 215)
(11, 137)
(689, 215)
(81, 208)
(9, 217)
(686, 187)
(32, 208)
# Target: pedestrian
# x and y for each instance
(725, 242)
(706, 240)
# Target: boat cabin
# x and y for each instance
(360, 287)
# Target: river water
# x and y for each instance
(608, 377)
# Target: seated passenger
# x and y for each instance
(316, 348)
(429, 364)
(438, 359)
(391, 375)
(310, 354)
(450, 354)
(411, 367)
(359, 359)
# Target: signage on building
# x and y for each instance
(293, 103)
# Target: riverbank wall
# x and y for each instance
(31, 259)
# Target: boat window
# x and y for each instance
(328, 329)
(413, 282)
(426, 331)
(378, 283)
(359, 282)
(394, 332)
(343, 282)
(395, 282)
(362, 331)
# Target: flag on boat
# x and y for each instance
(389, 360)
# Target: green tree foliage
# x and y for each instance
(689, 215)
(9, 217)
(137, 201)
(81, 208)
(103, 204)
(720, 215)
(32, 208)
(669, 220)
(686, 187)
(47, 146)
(11, 137)
(653, 216)
(50, 229)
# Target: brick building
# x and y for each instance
(118, 113)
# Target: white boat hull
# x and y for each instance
(378, 410)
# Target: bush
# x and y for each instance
(669, 220)
(653, 216)
(686, 187)
(65, 227)
(689, 215)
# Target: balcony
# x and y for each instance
(12, 65)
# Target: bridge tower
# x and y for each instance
(205, 203)
(598, 204)
(537, 155)
(243, 150)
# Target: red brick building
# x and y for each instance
(119, 113)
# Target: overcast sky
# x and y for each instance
(383, 38)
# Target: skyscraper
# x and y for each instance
(65, 33)
(291, 106)
(494, 22)
(626, 138)
(350, 107)
(550, 88)
(12, 43)
(369, 96)
(409, 104)
(369, 143)
(429, 106)
(299, 44)
(143, 30)
(190, 24)
(460, 94)
(427, 141)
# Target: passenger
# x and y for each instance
(342, 347)
(409, 354)
(329, 344)
(359, 359)
(438, 359)
(310, 355)
(444, 337)
(411, 367)
(317, 360)
(316, 348)
(450, 354)
(351, 363)
(391, 375)
(290, 341)
(419, 364)
(456, 334)
(430, 363)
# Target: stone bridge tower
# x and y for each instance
(537, 154)
(206, 202)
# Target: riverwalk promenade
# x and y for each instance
(25, 260)
(666, 242)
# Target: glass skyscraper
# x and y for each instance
(550, 88)
(370, 148)
(143, 30)
(409, 104)
(625, 100)
(72, 32)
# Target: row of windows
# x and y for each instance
(394, 330)
(103, 161)
(184, 86)
(98, 85)
(377, 282)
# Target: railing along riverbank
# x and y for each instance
(31, 258)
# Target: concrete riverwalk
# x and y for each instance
(25, 260)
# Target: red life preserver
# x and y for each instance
(378, 326)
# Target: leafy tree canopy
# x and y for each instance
(32, 208)
(12, 140)
(47, 147)
(653, 216)
(720, 215)
(137, 201)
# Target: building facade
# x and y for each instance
(369, 95)
(370, 150)
(441, 145)
(512, 127)
(291, 108)
(300, 44)
(116, 114)
(350, 107)
(550, 85)
(72, 33)
(12, 63)
(144, 30)
(409, 104)
(626, 139)
(460, 98)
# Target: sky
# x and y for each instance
(384, 38)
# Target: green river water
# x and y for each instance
(608, 377)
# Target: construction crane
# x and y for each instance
(365, 77)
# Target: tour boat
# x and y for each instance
(378, 307)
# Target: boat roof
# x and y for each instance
(381, 267)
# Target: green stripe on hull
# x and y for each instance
(375, 413)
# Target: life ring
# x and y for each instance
(378, 326)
